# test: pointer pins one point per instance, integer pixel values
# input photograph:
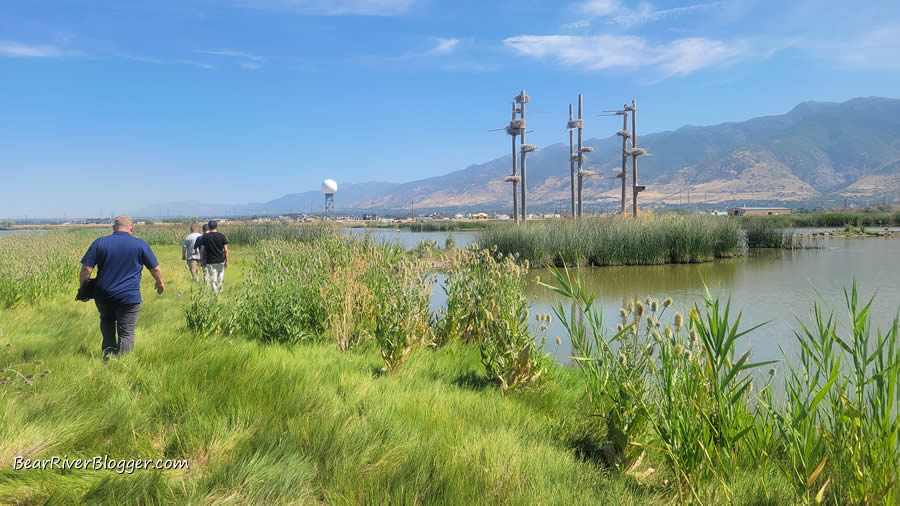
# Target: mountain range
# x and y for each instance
(818, 151)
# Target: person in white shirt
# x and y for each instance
(191, 255)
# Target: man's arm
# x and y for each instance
(202, 255)
(84, 275)
(226, 255)
(184, 252)
(156, 272)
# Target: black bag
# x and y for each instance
(86, 292)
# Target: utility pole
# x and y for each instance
(513, 129)
(521, 100)
(581, 151)
(571, 126)
(625, 134)
(635, 153)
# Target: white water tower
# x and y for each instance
(329, 188)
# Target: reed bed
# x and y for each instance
(761, 232)
(38, 265)
(672, 384)
(242, 234)
(653, 240)
(833, 219)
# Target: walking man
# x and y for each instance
(120, 258)
(190, 254)
(214, 256)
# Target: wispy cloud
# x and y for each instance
(445, 46)
(873, 49)
(332, 7)
(598, 52)
(200, 64)
(20, 50)
(244, 60)
(616, 12)
(234, 54)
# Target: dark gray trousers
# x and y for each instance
(121, 319)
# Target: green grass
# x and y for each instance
(669, 238)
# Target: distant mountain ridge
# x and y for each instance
(816, 150)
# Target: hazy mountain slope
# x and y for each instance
(817, 149)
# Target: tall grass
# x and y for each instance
(761, 232)
(662, 239)
(238, 234)
(35, 266)
(676, 387)
(833, 219)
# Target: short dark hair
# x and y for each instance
(205, 228)
(212, 225)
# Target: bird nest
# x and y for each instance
(575, 123)
(624, 133)
(522, 98)
(637, 152)
(517, 123)
(514, 131)
(587, 173)
(587, 149)
(512, 179)
(528, 148)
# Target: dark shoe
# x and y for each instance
(108, 352)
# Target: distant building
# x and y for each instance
(480, 216)
(758, 211)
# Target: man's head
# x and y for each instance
(123, 224)
(193, 228)
(213, 226)
(205, 228)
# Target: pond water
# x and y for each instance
(774, 286)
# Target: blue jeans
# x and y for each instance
(118, 319)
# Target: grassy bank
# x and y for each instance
(318, 376)
(670, 238)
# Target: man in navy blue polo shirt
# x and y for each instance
(120, 258)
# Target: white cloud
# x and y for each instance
(598, 8)
(622, 15)
(20, 50)
(332, 7)
(200, 64)
(874, 49)
(445, 46)
(598, 52)
(246, 61)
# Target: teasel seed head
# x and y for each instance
(619, 327)
(638, 309)
(623, 313)
(654, 306)
(668, 302)
(679, 350)
(679, 321)
(656, 336)
(549, 318)
(558, 340)
(651, 321)
(773, 371)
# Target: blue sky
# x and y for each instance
(108, 105)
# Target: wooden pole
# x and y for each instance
(634, 170)
(580, 156)
(624, 156)
(572, 163)
(522, 101)
(515, 185)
